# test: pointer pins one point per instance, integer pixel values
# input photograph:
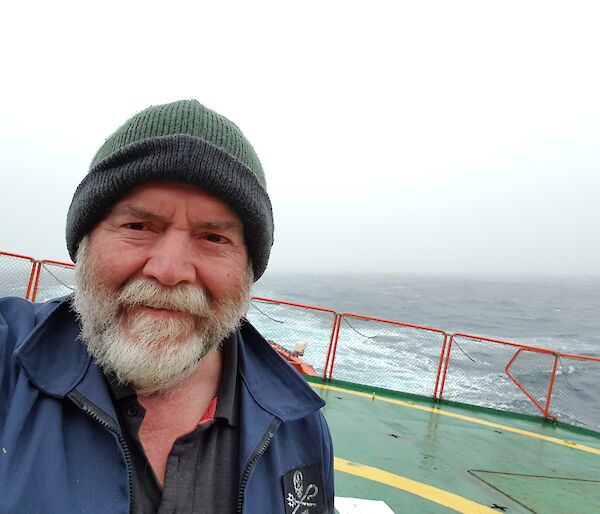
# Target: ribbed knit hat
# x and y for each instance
(178, 142)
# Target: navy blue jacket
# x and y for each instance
(61, 447)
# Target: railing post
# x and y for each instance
(445, 366)
(34, 267)
(335, 343)
(551, 388)
(440, 363)
(331, 340)
(37, 281)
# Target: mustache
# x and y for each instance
(181, 298)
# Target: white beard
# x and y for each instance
(149, 352)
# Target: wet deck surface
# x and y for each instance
(423, 458)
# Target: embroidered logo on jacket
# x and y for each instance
(303, 491)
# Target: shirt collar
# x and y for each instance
(119, 391)
(228, 395)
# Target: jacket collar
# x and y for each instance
(52, 355)
(272, 382)
(57, 362)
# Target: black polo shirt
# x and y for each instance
(202, 471)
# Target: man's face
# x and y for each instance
(161, 281)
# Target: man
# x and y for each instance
(145, 392)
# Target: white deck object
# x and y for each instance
(358, 506)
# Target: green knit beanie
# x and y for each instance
(180, 142)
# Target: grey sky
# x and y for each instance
(396, 136)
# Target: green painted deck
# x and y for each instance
(422, 457)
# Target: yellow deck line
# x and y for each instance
(470, 419)
(428, 492)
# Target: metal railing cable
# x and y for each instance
(253, 304)
(47, 269)
(345, 319)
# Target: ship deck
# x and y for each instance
(423, 456)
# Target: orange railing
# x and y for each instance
(45, 279)
(391, 354)
(54, 278)
(19, 273)
(538, 373)
(286, 323)
(382, 345)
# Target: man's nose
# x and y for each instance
(170, 261)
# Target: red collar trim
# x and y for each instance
(209, 413)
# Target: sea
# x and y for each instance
(560, 313)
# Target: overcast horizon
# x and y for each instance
(398, 138)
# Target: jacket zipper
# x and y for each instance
(258, 453)
(87, 407)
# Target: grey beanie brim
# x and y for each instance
(177, 158)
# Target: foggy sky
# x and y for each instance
(438, 137)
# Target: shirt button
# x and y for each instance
(132, 410)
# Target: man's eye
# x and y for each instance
(135, 226)
(215, 238)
